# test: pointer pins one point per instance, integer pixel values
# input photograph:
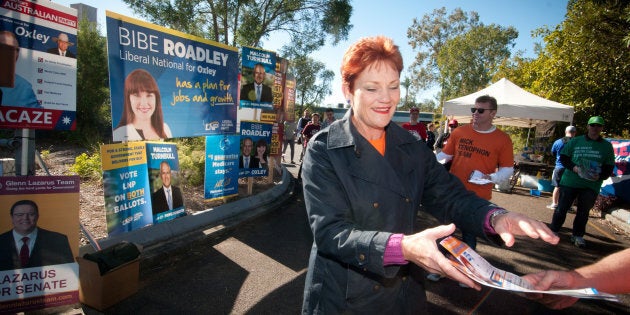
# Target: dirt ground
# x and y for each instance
(58, 158)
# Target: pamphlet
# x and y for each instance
(476, 177)
(469, 262)
(589, 170)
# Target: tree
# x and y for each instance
(247, 22)
(467, 62)
(428, 35)
(406, 83)
(93, 103)
(313, 80)
(586, 63)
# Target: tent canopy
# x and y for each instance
(517, 107)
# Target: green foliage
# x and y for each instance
(192, 159)
(247, 22)
(313, 80)
(586, 63)
(88, 166)
(428, 35)
(468, 61)
(93, 112)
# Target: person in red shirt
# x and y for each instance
(309, 131)
(418, 129)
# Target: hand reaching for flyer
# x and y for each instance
(421, 249)
(513, 223)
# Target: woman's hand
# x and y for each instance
(513, 223)
(421, 249)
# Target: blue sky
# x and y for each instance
(392, 18)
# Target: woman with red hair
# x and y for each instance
(365, 179)
(142, 117)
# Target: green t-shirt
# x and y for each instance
(589, 155)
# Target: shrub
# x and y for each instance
(88, 166)
(192, 159)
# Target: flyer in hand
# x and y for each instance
(468, 261)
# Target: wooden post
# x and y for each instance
(250, 185)
(271, 163)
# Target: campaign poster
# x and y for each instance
(38, 270)
(38, 77)
(168, 84)
(289, 98)
(167, 200)
(255, 146)
(222, 154)
(257, 79)
(619, 183)
(278, 114)
(621, 148)
(126, 187)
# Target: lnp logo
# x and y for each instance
(212, 125)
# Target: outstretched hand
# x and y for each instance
(552, 280)
(512, 223)
(421, 249)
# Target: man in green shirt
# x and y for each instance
(588, 161)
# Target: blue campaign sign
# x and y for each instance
(127, 204)
(222, 154)
(255, 148)
(126, 187)
(257, 79)
(38, 75)
(168, 84)
(167, 200)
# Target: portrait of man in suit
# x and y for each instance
(63, 42)
(257, 91)
(168, 197)
(27, 245)
(247, 160)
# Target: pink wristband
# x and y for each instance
(393, 251)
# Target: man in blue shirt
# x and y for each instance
(557, 146)
(20, 93)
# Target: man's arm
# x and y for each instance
(607, 275)
(566, 161)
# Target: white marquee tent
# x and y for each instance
(517, 107)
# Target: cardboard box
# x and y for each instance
(101, 292)
(7, 167)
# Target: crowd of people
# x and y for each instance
(293, 131)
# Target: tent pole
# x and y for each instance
(528, 131)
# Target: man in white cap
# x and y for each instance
(557, 146)
(63, 42)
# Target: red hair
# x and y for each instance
(366, 52)
(140, 80)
